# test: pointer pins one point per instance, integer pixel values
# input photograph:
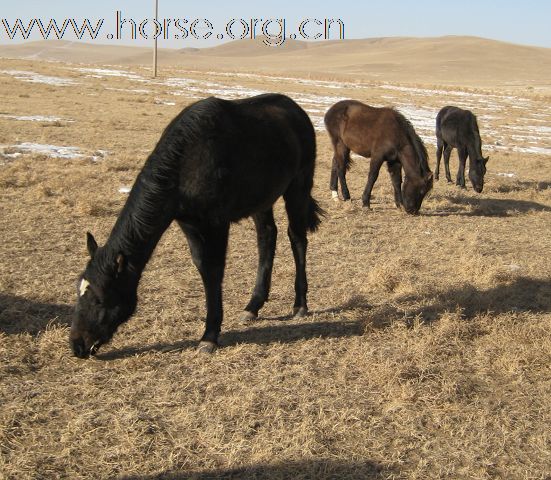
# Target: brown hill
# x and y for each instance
(445, 60)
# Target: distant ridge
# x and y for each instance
(443, 60)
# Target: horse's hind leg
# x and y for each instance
(439, 150)
(395, 170)
(460, 180)
(297, 203)
(208, 249)
(341, 161)
(266, 232)
(374, 168)
(334, 181)
(447, 152)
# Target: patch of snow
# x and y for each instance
(33, 77)
(132, 90)
(50, 150)
(158, 101)
(519, 149)
(99, 155)
(228, 92)
(35, 118)
(10, 156)
(279, 79)
(106, 72)
(422, 119)
(535, 150)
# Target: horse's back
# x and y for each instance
(244, 154)
(455, 125)
(363, 128)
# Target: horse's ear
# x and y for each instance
(486, 160)
(121, 262)
(91, 244)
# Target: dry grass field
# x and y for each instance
(427, 354)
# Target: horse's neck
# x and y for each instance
(415, 167)
(474, 147)
(148, 212)
(412, 169)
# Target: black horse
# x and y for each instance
(217, 162)
(458, 128)
(383, 134)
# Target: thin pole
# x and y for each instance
(155, 40)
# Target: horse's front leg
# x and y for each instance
(395, 170)
(447, 152)
(266, 231)
(208, 249)
(460, 180)
(374, 168)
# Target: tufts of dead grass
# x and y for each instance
(427, 353)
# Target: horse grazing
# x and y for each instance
(217, 162)
(383, 134)
(458, 128)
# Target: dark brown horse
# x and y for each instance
(458, 128)
(384, 135)
(217, 162)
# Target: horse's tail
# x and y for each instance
(314, 216)
(417, 144)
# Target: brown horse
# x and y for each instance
(384, 135)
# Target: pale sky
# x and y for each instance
(525, 22)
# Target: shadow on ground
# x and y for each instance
(522, 295)
(21, 315)
(303, 470)
(18, 315)
(486, 207)
(264, 335)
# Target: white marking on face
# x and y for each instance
(84, 284)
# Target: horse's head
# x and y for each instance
(414, 191)
(477, 170)
(104, 301)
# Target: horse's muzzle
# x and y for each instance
(80, 350)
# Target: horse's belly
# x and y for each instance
(235, 195)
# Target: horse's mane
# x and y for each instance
(416, 142)
(476, 133)
(150, 199)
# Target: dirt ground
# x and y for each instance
(427, 353)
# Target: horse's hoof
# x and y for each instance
(300, 312)
(206, 347)
(247, 317)
(335, 195)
